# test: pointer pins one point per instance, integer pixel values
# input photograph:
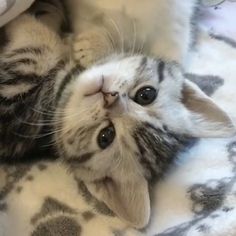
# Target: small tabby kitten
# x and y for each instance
(160, 28)
(117, 125)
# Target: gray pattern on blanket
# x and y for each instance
(9, 177)
(57, 218)
(209, 201)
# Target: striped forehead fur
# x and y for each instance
(157, 147)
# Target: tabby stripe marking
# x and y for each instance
(33, 50)
(142, 65)
(139, 73)
(68, 78)
(80, 159)
(59, 66)
(144, 161)
(18, 98)
(24, 61)
(19, 78)
(160, 71)
(161, 147)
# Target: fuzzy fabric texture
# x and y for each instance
(219, 17)
(196, 198)
(9, 9)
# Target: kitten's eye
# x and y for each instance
(145, 95)
(106, 136)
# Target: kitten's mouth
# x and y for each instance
(109, 98)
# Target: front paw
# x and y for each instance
(90, 47)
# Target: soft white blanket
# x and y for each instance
(9, 9)
(196, 198)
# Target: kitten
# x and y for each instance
(117, 125)
(161, 28)
(121, 123)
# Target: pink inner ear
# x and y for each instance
(206, 118)
(204, 106)
(128, 200)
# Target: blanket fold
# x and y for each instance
(9, 9)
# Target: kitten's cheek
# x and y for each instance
(90, 101)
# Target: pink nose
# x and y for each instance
(110, 98)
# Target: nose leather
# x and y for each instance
(110, 99)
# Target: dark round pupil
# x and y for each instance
(106, 137)
(145, 96)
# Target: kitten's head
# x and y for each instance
(122, 122)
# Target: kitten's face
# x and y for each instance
(119, 125)
(108, 107)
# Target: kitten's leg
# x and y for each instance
(91, 46)
(28, 64)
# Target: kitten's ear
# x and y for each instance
(206, 118)
(129, 200)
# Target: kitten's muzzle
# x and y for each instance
(110, 98)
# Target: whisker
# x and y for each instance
(34, 136)
(111, 40)
(134, 36)
(121, 36)
(141, 47)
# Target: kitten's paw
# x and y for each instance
(83, 52)
(90, 47)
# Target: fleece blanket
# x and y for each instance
(197, 197)
(9, 9)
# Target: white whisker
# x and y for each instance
(134, 37)
(121, 36)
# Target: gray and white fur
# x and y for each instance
(29, 61)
